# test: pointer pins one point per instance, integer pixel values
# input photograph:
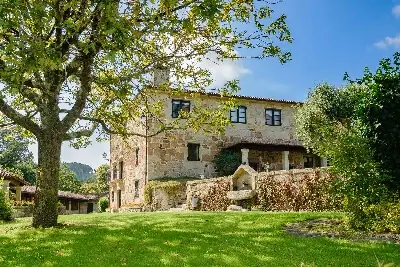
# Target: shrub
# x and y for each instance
(381, 217)
(215, 199)
(309, 192)
(226, 162)
(5, 207)
(103, 204)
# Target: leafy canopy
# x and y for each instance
(70, 66)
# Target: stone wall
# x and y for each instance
(163, 201)
(201, 188)
(129, 151)
(22, 211)
(168, 151)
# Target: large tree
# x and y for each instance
(67, 67)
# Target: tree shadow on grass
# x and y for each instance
(183, 239)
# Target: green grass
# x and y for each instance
(182, 239)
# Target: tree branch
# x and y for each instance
(79, 134)
(18, 118)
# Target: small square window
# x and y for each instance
(193, 152)
(238, 115)
(273, 117)
(180, 105)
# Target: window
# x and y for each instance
(74, 205)
(121, 170)
(273, 117)
(112, 196)
(193, 152)
(137, 188)
(178, 105)
(137, 156)
(238, 115)
(114, 176)
(308, 162)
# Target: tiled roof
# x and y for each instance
(210, 93)
(61, 194)
(13, 177)
(267, 99)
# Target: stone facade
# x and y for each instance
(136, 160)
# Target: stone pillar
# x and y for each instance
(69, 205)
(324, 162)
(6, 188)
(285, 160)
(245, 156)
(18, 193)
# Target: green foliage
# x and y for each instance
(379, 117)
(226, 162)
(170, 187)
(329, 123)
(380, 217)
(67, 180)
(15, 155)
(311, 192)
(82, 171)
(98, 183)
(5, 206)
(103, 204)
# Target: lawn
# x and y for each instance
(182, 239)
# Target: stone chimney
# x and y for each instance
(160, 76)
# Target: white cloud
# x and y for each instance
(388, 42)
(224, 71)
(396, 11)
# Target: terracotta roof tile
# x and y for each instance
(12, 176)
(61, 194)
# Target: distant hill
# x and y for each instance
(82, 171)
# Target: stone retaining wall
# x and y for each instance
(203, 188)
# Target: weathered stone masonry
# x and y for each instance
(167, 153)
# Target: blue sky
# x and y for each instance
(331, 37)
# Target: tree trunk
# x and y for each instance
(46, 199)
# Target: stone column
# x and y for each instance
(285, 160)
(6, 188)
(324, 162)
(69, 206)
(245, 156)
(18, 193)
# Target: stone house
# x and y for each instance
(12, 183)
(262, 129)
(74, 203)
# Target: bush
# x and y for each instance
(216, 198)
(381, 217)
(309, 192)
(5, 207)
(226, 162)
(103, 204)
